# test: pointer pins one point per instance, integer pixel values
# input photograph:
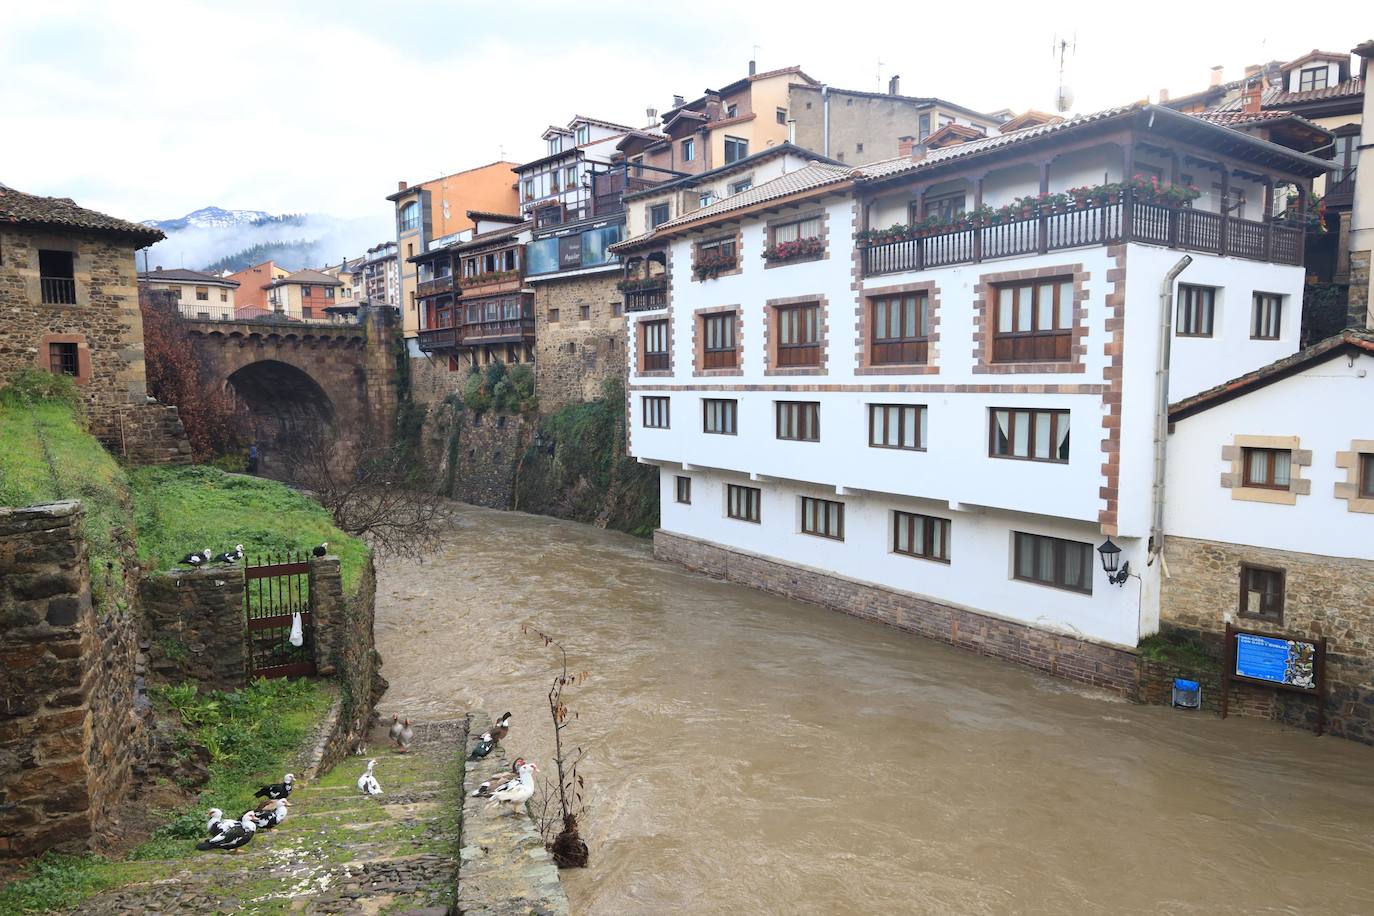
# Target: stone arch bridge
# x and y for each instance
(290, 378)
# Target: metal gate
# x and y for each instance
(273, 592)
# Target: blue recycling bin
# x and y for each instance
(1186, 694)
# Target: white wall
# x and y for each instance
(978, 575)
(1325, 406)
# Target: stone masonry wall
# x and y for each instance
(573, 355)
(1361, 310)
(104, 323)
(1323, 596)
(346, 649)
(71, 725)
(194, 627)
(1096, 664)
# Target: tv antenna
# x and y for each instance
(1063, 48)
(879, 75)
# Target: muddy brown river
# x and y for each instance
(749, 754)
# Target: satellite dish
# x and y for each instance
(1063, 99)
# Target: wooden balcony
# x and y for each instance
(435, 287)
(432, 339)
(646, 298)
(1341, 194)
(506, 330)
(501, 281)
(1114, 222)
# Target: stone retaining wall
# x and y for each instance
(503, 868)
(345, 649)
(72, 721)
(1084, 661)
(194, 627)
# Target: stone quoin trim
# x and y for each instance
(83, 355)
(985, 324)
(1349, 489)
(1234, 480)
(865, 309)
(1113, 349)
(770, 337)
(699, 342)
(709, 235)
(820, 213)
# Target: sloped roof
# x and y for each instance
(308, 277)
(1316, 54)
(179, 275)
(1277, 97)
(20, 209)
(811, 178)
(1353, 340)
(768, 152)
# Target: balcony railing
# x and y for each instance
(1341, 193)
(646, 298)
(1122, 220)
(434, 287)
(204, 311)
(505, 330)
(438, 339)
(58, 290)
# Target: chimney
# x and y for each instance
(158, 267)
(905, 144)
(652, 115)
(1216, 76)
(1251, 103)
(1163, 96)
(1273, 73)
(712, 107)
(792, 131)
(894, 86)
(753, 65)
(1253, 70)
(678, 101)
(400, 185)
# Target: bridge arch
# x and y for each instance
(281, 403)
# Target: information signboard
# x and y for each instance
(1284, 662)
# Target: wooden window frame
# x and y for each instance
(64, 356)
(656, 407)
(928, 523)
(794, 417)
(910, 350)
(1190, 307)
(921, 418)
(654, 209)
(719, 357)
(683, 490)
(1261, 319)
(1315, 72)
(818, 217)
(719, 243)
(1059, 555)
(1060, 334)
(1055, 415)
(729, 410)
(823, 512)
(649, 360)
(791, 354)
(1271, 615)
(1271, 466)
(752, 499)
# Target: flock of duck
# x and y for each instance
(205, 557)
(508, 788)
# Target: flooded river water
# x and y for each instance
(749, 754)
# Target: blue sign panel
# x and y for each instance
(1278, 661)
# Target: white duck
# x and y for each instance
(518, 791)
(498, 780)
(367, 783)
(216, 818)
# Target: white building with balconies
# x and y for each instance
(924, 391)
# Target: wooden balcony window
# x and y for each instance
(1034, 322)
(719, 349)
(901, 329)
(798, 329)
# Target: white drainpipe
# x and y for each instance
(1166, 339)
(825, 120)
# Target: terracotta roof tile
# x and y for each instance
(178, 275)
(20, 209)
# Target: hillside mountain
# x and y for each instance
(215, 239)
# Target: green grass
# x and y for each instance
(1181, 648)
(178, 510)
(46, 455)
(252, 733)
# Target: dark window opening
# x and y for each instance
(63, 359)
(57, 277)
(1261, 593)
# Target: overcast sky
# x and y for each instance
(150, 109)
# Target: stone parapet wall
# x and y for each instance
(150, 434)
(194, 625)
(1323, 596)
(72, 722)
(345, 649)
(503, 867)
(1084, 661)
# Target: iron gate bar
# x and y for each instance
(281, 592)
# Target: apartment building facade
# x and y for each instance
(437, 210)
(305, 295)
(250, 296)
(378, 277)
(198, 295)
(879, 418)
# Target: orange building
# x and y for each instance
(253, 282)
(438, 209)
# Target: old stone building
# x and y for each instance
(69, 297)
(579, 337)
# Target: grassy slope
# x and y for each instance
(184, 509)
(253, 734)
(46, 456)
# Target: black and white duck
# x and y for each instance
(232, 835)
(231, 556)
(321, 550)
(271, 813)
(196, 559)
(498, 779)
(277, 789)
